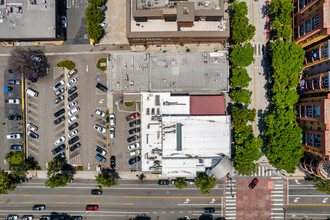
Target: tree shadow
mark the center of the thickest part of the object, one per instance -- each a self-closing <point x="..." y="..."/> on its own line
<point x="113" y="172"/>
<point x="262" y="127"/>
<point x="141" y="217"/>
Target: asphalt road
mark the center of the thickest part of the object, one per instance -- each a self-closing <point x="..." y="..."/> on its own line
<point x="304" y="202"/>
<point x="128" y="199"/>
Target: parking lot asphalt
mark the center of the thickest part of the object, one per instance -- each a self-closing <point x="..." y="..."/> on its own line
<point x="41" y="112"/>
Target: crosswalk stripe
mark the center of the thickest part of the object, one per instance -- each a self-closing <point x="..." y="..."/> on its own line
<point x="273" y="217"/>
<point x="276" y="191"/>
<point x="279" y="213"/>
<point x="230" y="214"/>
<point x="230" y="207"/>
<point x="276" y="177"/>
<point x="275" y="195"/>
<point x="277" y="209"/>
<point x="276" y="204"/>
<point x="229" y="217"/>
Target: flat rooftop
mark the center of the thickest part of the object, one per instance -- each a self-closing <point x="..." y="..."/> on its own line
<point x="169" y="72"/>
<point x="28" y="19"/>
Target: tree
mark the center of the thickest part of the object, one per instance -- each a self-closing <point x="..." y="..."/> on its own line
<point x="242" y="56"/>
<point x="19" y="169"/>
<point x="54" y="167"/>
<point x="58" y="180"/>
<point x="31" y="64"/>
<point x="282" y="9"/>
<point x="106" y="179"/>
<point x="181" y="183"/>
<point x="239" y="8"/>
<point x="93" y="14"/>
<point x="205" y="183"/>
<point x="94" y="30"/>
<point x="321" y="185"/>
<point x="240" y="78"/>
<point x="96" y="2"/>
<point x="241" y="96"/>
<point x="240" y="119"/>
<point x="7" y="182"/>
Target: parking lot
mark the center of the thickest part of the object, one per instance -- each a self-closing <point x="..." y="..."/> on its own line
<point x="40" y="112"/>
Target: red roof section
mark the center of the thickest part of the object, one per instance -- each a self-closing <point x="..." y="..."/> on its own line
<point x="207" y="105"/>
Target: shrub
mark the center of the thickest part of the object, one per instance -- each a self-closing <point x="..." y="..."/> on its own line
<point x="67" y="64"/>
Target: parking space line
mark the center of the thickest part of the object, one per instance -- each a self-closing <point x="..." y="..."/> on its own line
<point x="32" y="110"/>
<point x="33" y="152"/>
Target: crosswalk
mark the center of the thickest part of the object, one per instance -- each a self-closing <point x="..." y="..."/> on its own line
<point x="263" y="171"/>
<point x="277" y="197"/>
<point x="258" y="49"/>
<point x="230" y="200"/>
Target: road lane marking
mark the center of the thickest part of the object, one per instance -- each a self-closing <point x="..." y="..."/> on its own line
<point x="69" y="203"/>
<point x="309" y="204"/>
<point x="200" y="204"/>
<point x="310" y="195"/>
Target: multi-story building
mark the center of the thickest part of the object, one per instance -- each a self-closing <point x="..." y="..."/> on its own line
<point x="174" y="22"/>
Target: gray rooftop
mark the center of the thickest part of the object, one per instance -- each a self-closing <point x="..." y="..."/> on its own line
<point x="28" y="19"/>
<point x="169" y="72"/>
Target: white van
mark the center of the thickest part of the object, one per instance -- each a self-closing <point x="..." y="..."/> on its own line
<point x="32" y="92"/>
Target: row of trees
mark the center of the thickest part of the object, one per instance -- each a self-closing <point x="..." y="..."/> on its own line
<point x="58" y="173"/>
<point x="94" y="16"/>
<point x="284" y="150"/>
<point x="248" y="147"/>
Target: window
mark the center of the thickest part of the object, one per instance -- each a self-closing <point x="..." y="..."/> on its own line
<point x="308" y="26"/>
<point x="307" y="2"/>
<point x="296" y="33"/>
<point x="302" y="30"/>
<point x="316" y="54"/>
<point x="310" y="9"/>
<point x="315" y="21"/>
<point x="305" y="122"/>
<point x="316" y="83"/>
<point x="309" y="139"/>
<point x="312" y="127"/>
<point x="302" y="111"/>
<point x="317" y="140"/>
<point x="325" y="82"/>
<point x="317" y="112"/>
<point x="303" y="138"/>
<point x="312" y="122"/>
<point x="309" y="84"/>
<point x="309" y="111"/>
<point x="319" y="128"/>
<point x="317" y="3"/>
<point x="324" y="51"/>
<point x="309" y="56"/>
<point x="295" y="8"/>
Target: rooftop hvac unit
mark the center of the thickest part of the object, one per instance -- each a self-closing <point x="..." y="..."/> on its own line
<point x="171" y="4"/>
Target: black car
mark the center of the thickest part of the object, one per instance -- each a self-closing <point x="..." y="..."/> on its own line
<point x="101" y="87"/>
<point x="15" y="117"/>
<point x="134" y="123"/>
<point x="72" y="90"/>
<point x="59" y="112"/>
<point x="39" y="207"/>
<point x="58" y="149"/>
<point x="15" y="147"/>
<point x="77" y="145"/>
<point x="134" y="130"/>
<point x="60" y="156"/>
<point x="96" y="192"/>
<point x="113" y="161"/>
<point x="209" y="210"/>
<point x="33" y="135"/>
<point x="73" y="96"/>
<point x="72" y="140"/>
<point x="163" y="182"/>
<point x="59" y="120"/>
<point x="73" y="126"/>
<point x="133" y="138"/>
<point x="134" y="160"/>
<point x="76" y="218"/>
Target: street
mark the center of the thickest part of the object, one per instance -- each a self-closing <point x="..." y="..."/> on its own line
<point x="128" y="199"/>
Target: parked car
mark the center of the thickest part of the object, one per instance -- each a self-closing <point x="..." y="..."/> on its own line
<point x="73" y="126"/>
<point x="132" y="116"/>
<point x="75" y="146"/>
<point x="134" y="152"/>
<point x="58" y="85"/>
<point x="73" y="118"/>
<point x="39" y="207"/>
<point x="60" y="156"/>
<point x="14" y="136"/>
<point x="59" y="112"/>
<point x="133" y="160"/>
<point x="15" y="147"/>
<point x="59" y="99"/>
<point x="76" y="218"/>
<point x="72" y="82"/>
<point x="100" y="128"/>
<point x="72" y="97"/>
<point x="27" y="217"/>
<point x="33" y="135"/>
<point x="104" y="24"/>
<point x="113" y="161"/>
<point x="58" y="149"/>
<point x="209" y="210"/>
<point x="72" y="90"/>
<point x="59" y="91"/>
<point x="12" y="217"/>
<point x="112" y="132"/>
<point x="112" y="119"/>
<point x="59" y="140"/>
<point x="100" y="150"/>
<point x="14" y="82"/>
<point x="92" y="207"/>
<point x="134" y="123"/>
<point x="100" y="158"/>
<point x="32" y="92"/>
<point x="134" y="130"/>
<point x="72" y="72"/>
<point x="72" y="104"/>
<point x="63" y="21"/>
<point x="253" y="184"/>
<point x="133" y="146"/>
<point x="101" y="87"/>
<point x="15" y="117"/>
<point x="96" y="192"/>
<point x="45" y="217"/>
<point x="100" y="113"/>
<point x="73" y="111"/>
<point x="73" y="133"/>
<point x="32" y="127"/>
<point x="73" y="140"/>
<point x="13" y="101"/>
<point x="133" y="138"/>
<point x="59" y="120"/>
<point x="163" y="182"/>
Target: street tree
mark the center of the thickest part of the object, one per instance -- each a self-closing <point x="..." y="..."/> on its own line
<point x="205" y="183"/>
<point x="181" y="183"/>
<point x="281" y="10"/>
<point x="240" y="78"/>
<point x="106" y="179"/>
<point x="242" y="56"/>
<point x="94" y="15"/>
<point x="7" y="182"/>
<point x="241" y="96"/>
<point x="19" y="169"/>
<point x="58" y="180"/>
<point x="30" y="64"/>
<point x="240" y="117"/>
<point x="96" y="2"/>
<point x="94" y="30"/>
<point x="54" y="167"/>
<point x="321" y="185"/>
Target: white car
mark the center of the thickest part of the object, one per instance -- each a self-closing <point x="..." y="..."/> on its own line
<point x="100" y="128"/>
<point x="64" y="23"/>
<point x="13" y="101"/>
<point x="74" y="111"/>
<point x="72" y="104"/>
<point x="112" y="132"/>
<point x="59" y="91"/>
<point x="104" y="24"/>
<point x="72" y="82"/>
<point x="14" y="136"/>
<point x="100" y="113"/>
<point x="134" y="153"/>
<point x="112" y="119"/>
<point x="32" y="127"/>
<point x="133" y="146"/>
<point x="58" y="85"/>
<point x="73" y="133"/>
<point x="72" y="119"/>
<point x="60" y="140"/>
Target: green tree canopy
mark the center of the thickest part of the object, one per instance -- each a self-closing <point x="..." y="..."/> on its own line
<point x="94" y="30"/>
<point x="106" y="179"/>
<point x="205" y="183"/>
<point x="7" y="182"/>
<point x="321" y="185"/>
<point x="282" y="9"/>
<point x="96" y="2"/>
<point x="239" y="8"/>
<point x="181" y="183"/>
<point x="93" y="14"/>
<point x="242" y="96"/>
<point x="58" y="180"/>
<point x="240" y="119"/>
<point x="240" y="78"/>
<point x="54" y="167"/>
<point x="242" y="56"/>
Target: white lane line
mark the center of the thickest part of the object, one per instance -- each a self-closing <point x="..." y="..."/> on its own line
<point x="274" y="217"/>
<point x="276" y="195"/>
<point x="276" y="177"/>
<point x="230" y="208"/>
<point x="277" y="209"/>
<point x="230" y="214"/>
<point x="199" y="204"/>
<point x="276" y="191"/>
<point x="279" y="213"/>
<point x="229" y="217"/>
<point x="281" y="204"/>
<point x="279" y="200"/>
<point x="310" y="195"/>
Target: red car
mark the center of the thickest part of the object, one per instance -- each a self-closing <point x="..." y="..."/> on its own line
<point x="254" y="182"/>
<point x="92" y="207"/>
<point x="132" y="116"/>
